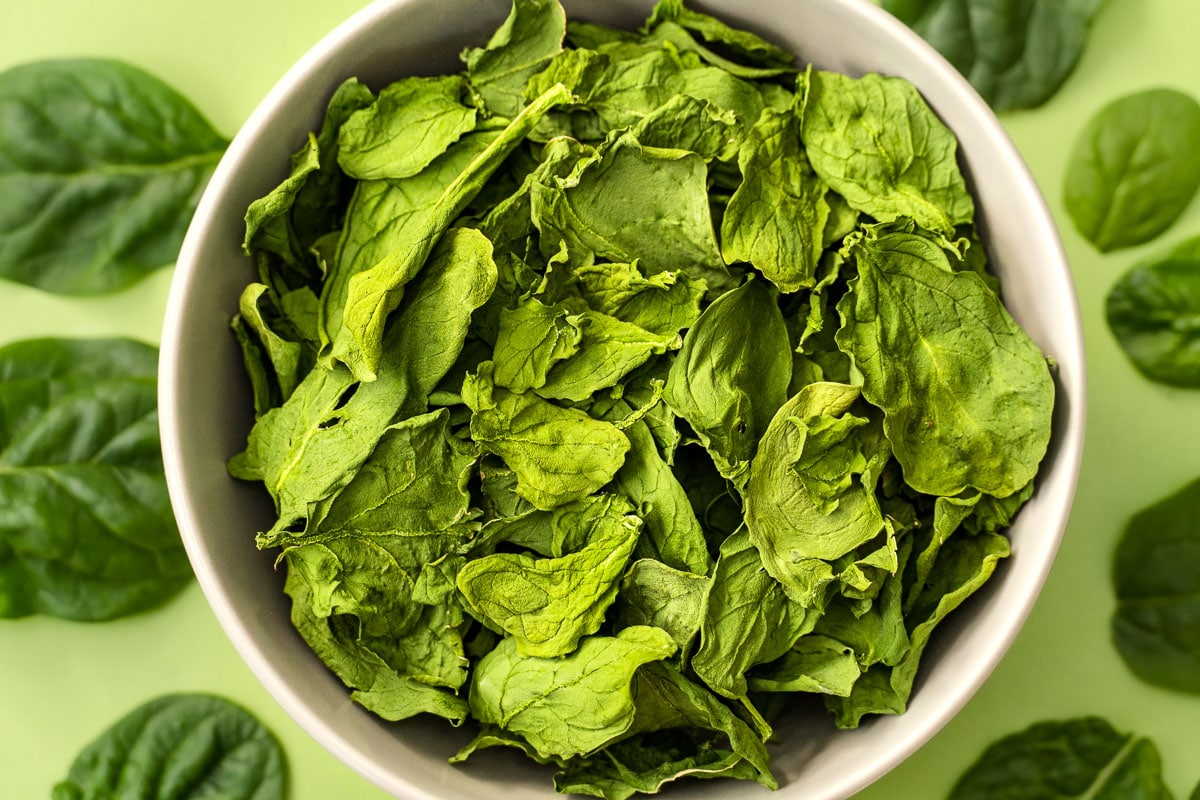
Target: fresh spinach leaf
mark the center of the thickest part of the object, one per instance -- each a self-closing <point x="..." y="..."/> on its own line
<point x="655" y="594"/>
<point x="630" y="202"/>
<point x="87" y="531"/>
<point x="183" y="746"/>
<point x="1134" y="169"/>
<point x="309" y="204"/>
<point x="1074" y="758"/>
<point x="397" y="672"/>
<point x="797" y="524"/>
<point x="1016" y="53"/>
<point x="558" y="454"/>
<point x="1155" y="576"/>
<point x="1153" y="310"/>
<point x="748" y="619"/>
<point x="101" y="167"/>
<point x="372" y="294"/>
<point x="646" y="763"/>
<point x="748" y="46"/>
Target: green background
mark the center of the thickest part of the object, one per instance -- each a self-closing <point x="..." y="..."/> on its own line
<point x="62" y="683"/>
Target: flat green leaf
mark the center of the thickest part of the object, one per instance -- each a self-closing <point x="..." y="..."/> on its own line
<point x="414" y="482"/>
<point x="566" y="706"/>
<point x="748" y="46"/>
<point x="411" y="123"/>
<point x="776" y="219"/>
<point x="531" y="339"/>
<point x="876" y="143"/>
<point x="548" y="604"/>
<point x="521" y="47"/>
<point x="379" y="219"/>
<point x="1157" y="581"/>
<point x="182" y="746"/>
<point x="966" y="394"/>
<point x="1016" y="53"/>
<point x="815" y="664"/>
<point x="663" y="304"/>
<point x="672" y="534"/>
<point x="559" y="454"/>
<point x="1075" y="758"/>
<point x="647" y="763"/>
<point x="732" y="374"/>
<point x="689" y="123"/>
<point x="1134" y="169"/>
<point x="1153" y="310"/>
<point x="101" y="167"/>
<point x="86" y="530"/>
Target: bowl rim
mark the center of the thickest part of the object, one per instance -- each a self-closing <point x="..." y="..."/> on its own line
<point x="1068" y="441"/>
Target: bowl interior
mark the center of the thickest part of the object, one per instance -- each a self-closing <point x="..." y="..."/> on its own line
<point x="206" y="409"/>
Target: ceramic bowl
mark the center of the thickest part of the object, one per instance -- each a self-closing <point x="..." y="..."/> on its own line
<point x="206" y="409"/>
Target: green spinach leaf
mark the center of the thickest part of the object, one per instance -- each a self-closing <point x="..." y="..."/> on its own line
<point x="915" y="364"/>
<point x="87" y="531"/>
<point x="520" y="48"/>
<point x="776" y="219"/>
<point x="1154" y="313"/>
<point x="411" y="123"/>
<point x="1156" y="576"/>
<point x="1016" y="53"/>
<point x="101" y="167"/>
<point x="566" y="706"/>
<point x="1075" y="758"/>
<point x="732" y="374"/>
<point x="1134" y="169"/>
<point x="180" y="746"/>
<point x="876" y="143"/>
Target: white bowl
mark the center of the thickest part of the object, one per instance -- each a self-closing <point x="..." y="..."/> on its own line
<point x="206" y="410"/>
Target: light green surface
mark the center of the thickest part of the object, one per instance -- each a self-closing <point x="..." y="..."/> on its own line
<point x="61" y="683"/>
